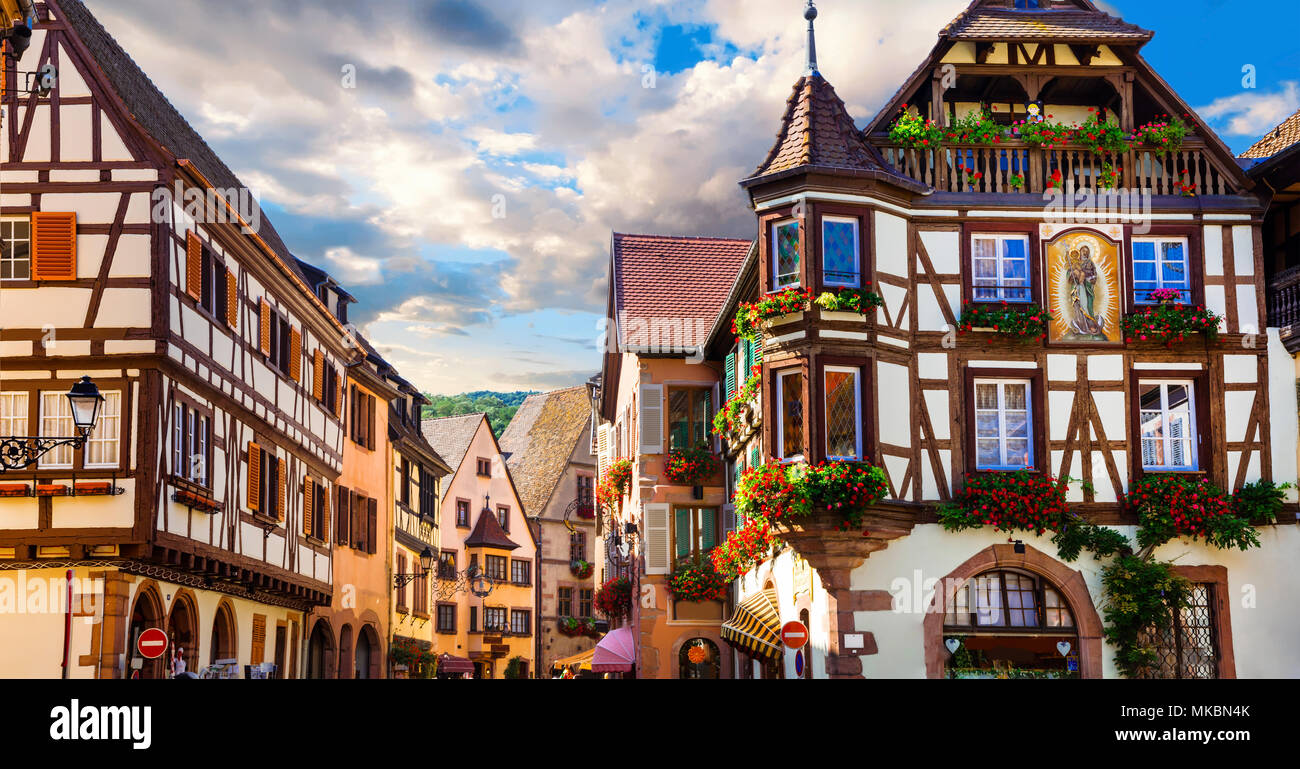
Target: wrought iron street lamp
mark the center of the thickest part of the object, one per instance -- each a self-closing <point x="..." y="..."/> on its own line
<point x="426" y="565"/>
<point x="18" y="451"/>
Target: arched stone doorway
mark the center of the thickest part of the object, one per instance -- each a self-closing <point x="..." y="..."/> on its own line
<point x="1031" y="573"/>
<point x="320" y="651"/>
<point x="146" y="613"/>
<point x="366" y="655"/>
<point x="699" y="659"/>
<point x="183" y="630"/>
<point x="224" y="642"/>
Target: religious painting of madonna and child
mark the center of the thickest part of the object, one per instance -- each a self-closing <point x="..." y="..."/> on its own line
<point x="1083" y="287"/>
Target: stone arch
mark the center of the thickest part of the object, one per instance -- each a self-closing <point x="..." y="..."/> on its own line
<point x="368" y="654"/>
<point x="1068" y="581"/>
<point x="225" y="633"/>
<point x="345" y="651"/>
<point x="725" y="662"/>
<point x="321" y="657"/>
<point x="183" y="628"/>
<point x="146" y="612"/>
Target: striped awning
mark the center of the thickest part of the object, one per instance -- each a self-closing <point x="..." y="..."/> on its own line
<point x="582" y="659"/>
<point x="756" y="625"/>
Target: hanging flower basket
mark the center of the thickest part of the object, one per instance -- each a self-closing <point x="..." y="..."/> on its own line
<point x="737" y="416"/>
<point x="690" y="467"/>
<point x="614" y="598"/>
<point x="743" y="549"/>
<point x="697" y="580"/>
<point x="580" y="568"/>
<point x="616" y="483"/>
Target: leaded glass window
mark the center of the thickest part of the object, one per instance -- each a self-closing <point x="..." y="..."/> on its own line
<point x="840" y="250"/>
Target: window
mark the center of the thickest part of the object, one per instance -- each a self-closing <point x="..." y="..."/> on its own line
<point x="1160" y="263"/>
<point x="362" y="411"/>
<point x="404" y="482"/>
<point x="401" y="589"/>
<point x="271" y="469"/>
<point x="15" y="253"/>
<point x="690" y="411"/>
<point x="521" y="621"/>
<point x="420" y="588"/>
<point x="484" y="467"/>
<point x="789" y="426"/>
<point x="281" y="334"/>
<point x="56" y="422"/>
<point x="843" y="393"/>
<point x="1008" y="599"/>
<point x="1167" y="425"/>
<point x="1000" y="268"/>
<point x="318" y="497"/>
<point x="521" y="572"/>
<point x="446" y="618"/>
<point x="1188" y="646"/>
<point x="13" y="414"/>
<point x="428" y="493"/>
<point x="586" y="490"/>
<point x="578" y="546"/>
<point x="494" y="619"/>
<point x="785" y="254"/>
<point x="473" y="619"/>
<point x="446" y="565"/>
<point x="586" y="598"/>
<point x="564" y="601"/>
<point x="462" y="512"/>
<point x="212" y="287"/>
<point x="1003" y="425"/>
<point x="695" y="530"/>
<point x="840" y="251"/>
<point x="191" y="432"/>
<point x="495" y="566"/>
<point x="503" y="517"/>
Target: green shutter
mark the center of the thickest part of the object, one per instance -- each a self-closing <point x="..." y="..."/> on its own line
<point x="683" y="518"/>
<point x="754" y="459"/>
<point x="703" y="434"/>
<point x="756" y="358"/>
<point x="730" y="375"/>
<point x="708" y="529"/>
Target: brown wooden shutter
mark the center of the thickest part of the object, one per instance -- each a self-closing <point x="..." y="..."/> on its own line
<point x="318" y="375"/>
<point x="354" y="502"/>
<point x="254" y="476"/>
<point x="259" y="639"/>
<point x="282" y="465"/>
<point x="338" y="397"/>
<point x="370" y="422"/>
<point x="54" y="245"/>
<point x="324" y="515"/>
<point x="232" y="300"/>
<point x="193" y="266"/>
<point x="401" y="569"/>
<point x="343" y="525"/>
<point x="265" y="316"/>
<point x="308" y="505"/>
<point x="295" y="354"/>
<point x="372" y="530"/>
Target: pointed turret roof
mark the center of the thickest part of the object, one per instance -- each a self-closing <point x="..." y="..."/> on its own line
<point x="488" y="533"/>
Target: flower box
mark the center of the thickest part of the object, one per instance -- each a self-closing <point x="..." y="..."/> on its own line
<point x="52" y="490"/>
<point x="92" y="489"/>
<point x="15" y="490"/>
<point x="849" y="317"/>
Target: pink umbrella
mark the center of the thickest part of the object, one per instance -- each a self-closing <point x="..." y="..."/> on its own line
<point x="615" y="652"/>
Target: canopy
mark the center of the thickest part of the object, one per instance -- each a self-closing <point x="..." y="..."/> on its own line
<point x="448" y="663"/>
<point x="756" y="625"/>
<point x="583" y="659"/>
<point x="616" y="652"/>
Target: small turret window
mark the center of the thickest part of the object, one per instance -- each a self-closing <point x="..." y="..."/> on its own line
<point x="785" y="255"/>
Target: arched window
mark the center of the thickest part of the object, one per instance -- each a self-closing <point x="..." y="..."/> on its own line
<point x="223" y="635"/>
<point x="320" y="647"/>
<point x="181" y="631"/>
<point x="699" y="658"/>
<point x="1010" y="623"/>
<point x="147" y="614"/>
<point x="363" y="652"/>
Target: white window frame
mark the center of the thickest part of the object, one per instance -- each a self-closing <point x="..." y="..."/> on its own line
<point x="1002" y="437"/>
<point x="1000" y="239"/>
<point x="780" y="415"/>
<point x="1166" y="438"/>
<point x="777" y="285"/>
<point x="14" y="420"/>
<point x="99" y="435"/>
<point x="857" y="409"/>
<point x="1160" y="262"/>
<point x="58" y="425"/>
<point x="857" y="251"/>
<point x="10" y="241"/>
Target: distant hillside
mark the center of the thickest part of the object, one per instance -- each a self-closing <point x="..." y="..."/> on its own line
<point x="500" y="407"/>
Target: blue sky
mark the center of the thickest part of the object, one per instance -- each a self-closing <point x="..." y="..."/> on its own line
<point x="465" y="189"/>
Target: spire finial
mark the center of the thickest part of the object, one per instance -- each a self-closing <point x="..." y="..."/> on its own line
<point x="810" y="13"/>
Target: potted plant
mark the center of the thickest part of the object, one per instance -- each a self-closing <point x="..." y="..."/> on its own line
<point x="690" y="467"/>
<point x="614" y="598"/>
<point x="697" y="580"/>
<point x="580" y="568"/>
<point x="1170" y="321"/>
<point x="752" y="316"/>
<point x="1005" y="318"/>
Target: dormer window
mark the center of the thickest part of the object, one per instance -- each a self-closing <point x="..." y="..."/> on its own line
<point x="1030" y="5"/>
<point x="785" y="254"/>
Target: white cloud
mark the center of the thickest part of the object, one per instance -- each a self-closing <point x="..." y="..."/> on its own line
<point x="1253" y="113"/>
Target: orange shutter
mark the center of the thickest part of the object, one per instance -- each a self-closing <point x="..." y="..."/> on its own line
<point x="308" y="498"/>
<point x="54" y="245"/>
<point x="282" y="465"/>
<point x="318" y="375"/>
<point x="259" y="639"/>
<point x="193" y="266"/>
<point x="254" y="476"/>
<point x="325" y="515"/>
<point x="265" y="314"/>
<point x="295" y="354"/>
<point x="338" y="397"/>
<point x="232" y="300"/>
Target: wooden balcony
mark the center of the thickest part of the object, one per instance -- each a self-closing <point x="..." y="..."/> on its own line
<point x="940" y="167"/>
<point x="1284" y="306"/>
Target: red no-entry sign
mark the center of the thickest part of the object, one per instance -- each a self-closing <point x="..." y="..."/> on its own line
<point x="794" y="634"/>
<point x="152" y="643"/>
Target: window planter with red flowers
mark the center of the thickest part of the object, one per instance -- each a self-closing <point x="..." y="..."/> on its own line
<point x="740" y="416"/>
<point x="690" y="467"/>
<point x="752" y="317"/>
<point x="1021" y="321"/>
<point x="696" y="580"/>
<point x="616" y="483"/>
<point x="1170" y="321"/>
<point x="1173" y="506"/>
<point x="196" y="500"/>
<point x="577" y="626"/>
<point x="858" y="300"/>
<point x="744" y="548"/>
<point x="778" y="494"/>
<point x="614" y="598"/>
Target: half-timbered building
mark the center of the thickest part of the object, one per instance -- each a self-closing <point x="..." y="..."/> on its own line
<point x="202" y="502"/>
<point x="972" y="217"/>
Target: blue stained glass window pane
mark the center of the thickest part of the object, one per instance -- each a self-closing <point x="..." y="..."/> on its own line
<point x="840" y="252"/>
<point x="787" y="250"/>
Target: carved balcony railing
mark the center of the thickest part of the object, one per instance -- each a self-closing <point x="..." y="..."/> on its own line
<point x="997" y="164"/>
<point x="1284" y="305"/>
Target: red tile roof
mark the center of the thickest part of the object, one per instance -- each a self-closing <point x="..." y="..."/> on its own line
<point x="669" y="290"/>
<point x="1281" y="137"/>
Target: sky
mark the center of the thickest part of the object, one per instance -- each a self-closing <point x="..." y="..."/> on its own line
<point x="460" y="165"/>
